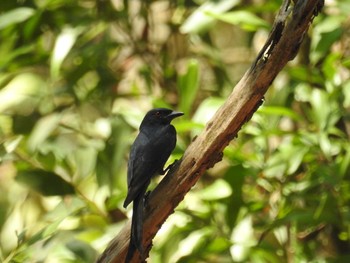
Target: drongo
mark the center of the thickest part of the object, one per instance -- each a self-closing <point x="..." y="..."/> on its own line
<point x="149" y="153"/>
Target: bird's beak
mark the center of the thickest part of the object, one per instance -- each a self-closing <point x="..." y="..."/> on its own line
<point x="174" y="115"/>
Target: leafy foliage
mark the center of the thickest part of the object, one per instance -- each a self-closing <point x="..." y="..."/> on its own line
<point x="76" y="78"/>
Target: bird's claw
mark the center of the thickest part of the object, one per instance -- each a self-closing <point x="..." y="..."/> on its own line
<point x="170" y="166"/>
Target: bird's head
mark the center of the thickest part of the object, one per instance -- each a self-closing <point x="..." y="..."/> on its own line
<point x="160" y="116"/>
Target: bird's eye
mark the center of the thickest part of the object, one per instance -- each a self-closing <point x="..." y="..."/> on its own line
<point x="157" y="113"/>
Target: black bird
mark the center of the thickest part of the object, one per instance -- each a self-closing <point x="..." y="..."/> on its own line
<point x="149" y="153"/>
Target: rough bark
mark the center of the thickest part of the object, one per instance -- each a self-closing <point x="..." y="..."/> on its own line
<point x="290" y="26"/>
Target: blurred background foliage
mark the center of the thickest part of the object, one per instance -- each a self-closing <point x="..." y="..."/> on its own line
<point x="77" y="76"/>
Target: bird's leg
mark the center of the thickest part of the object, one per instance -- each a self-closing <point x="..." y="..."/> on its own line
<point x="170" y="166"/>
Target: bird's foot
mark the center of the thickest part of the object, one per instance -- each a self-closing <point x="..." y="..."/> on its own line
<point x="170" y="166"/>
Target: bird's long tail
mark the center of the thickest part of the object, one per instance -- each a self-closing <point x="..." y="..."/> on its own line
<point x="136" y="227"/>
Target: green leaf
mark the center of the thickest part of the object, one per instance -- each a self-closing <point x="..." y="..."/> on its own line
<point x="246" y="20"/>
<point x="219" y="245"/>
<point x="22" y="93"/>
<point x="63" y="45"/>
<point x="188" y="85"/>
<point x="324" y="109"/>
<point x="82" y="250"/>
<point x="199" y="21"/>
<point x="86" y="161"/>
<point x="205" y="112"/>
<point x="345" y="163"/>
<point x="10" y="57"/>
<point x="280" y="111"/>
<point x="346" y="62"/>
<point x="264" y="255"/>
<point x="15" y="16"/>
<point x="304" y="74"/>
<point x="326" y="33"/>
<point x="330" y="66"/>
<point x="207" y="109"/>
<point x="346" y="91"/>
<point x="286" y="160"/>
<point x="46" y="232"/>
<point x="189" y="244"/>
<point x="243" y="239"/>
<point x="45" y="182"/>
<point x="42" y="130"/>
<point x="218" y="190"/>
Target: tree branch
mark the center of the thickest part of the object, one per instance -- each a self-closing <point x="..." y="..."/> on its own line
<point x="289" y="28"/>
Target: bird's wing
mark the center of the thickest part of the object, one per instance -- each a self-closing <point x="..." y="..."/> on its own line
<point x="147" y="157"/>
<point x="140" y="168"/>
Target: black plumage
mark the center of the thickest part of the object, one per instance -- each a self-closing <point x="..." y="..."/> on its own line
<point x="149" y="153"/>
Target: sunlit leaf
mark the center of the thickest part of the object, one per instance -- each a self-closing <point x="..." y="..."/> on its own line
<point x="242" y="239"/>
<point x="325" y="117"/>
<point x="15" y="16"/>
<point x="63" y="45"/>
<point x="346" y="90"/>
<point x="188" y="244"/>
<point x="46" y="232"/>
<point x="244" y="19"/>
<point x="218" y="190"/>
<point x="207" y="109"/>
<point x="327" y="32"/>
<point x="345" y="163"/>
<point x="330" y="68"/>
<point x="42" y="130"/>
<point x="205" y="112"/>
<point x="86" y="161"/>
<point x="22" y="93"/>
<point x="199" y="21"/>
<point x="280" y="111"/>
